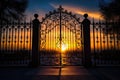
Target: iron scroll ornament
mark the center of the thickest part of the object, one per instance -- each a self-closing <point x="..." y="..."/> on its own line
<point x="69" y="20"/>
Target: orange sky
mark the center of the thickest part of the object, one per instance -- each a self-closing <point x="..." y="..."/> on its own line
<point x="52" y="41"/>
<point x="80" y="11"/>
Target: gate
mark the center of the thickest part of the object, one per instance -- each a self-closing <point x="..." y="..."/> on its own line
<point x="60" y="39"/>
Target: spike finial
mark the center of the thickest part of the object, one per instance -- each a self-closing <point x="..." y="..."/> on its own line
<point x="60" y="8"/>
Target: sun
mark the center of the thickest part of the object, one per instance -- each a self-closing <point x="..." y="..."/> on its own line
<point x="64" y="47"/>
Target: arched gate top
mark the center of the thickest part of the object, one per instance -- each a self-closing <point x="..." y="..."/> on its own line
<point x="60" y="10"/>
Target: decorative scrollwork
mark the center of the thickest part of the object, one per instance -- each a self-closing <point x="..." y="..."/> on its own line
<point x="52" y="20"/>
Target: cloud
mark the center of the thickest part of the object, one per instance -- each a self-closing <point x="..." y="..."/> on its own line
<point x="80" y="10"/>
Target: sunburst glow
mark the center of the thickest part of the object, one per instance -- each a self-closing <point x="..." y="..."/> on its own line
<point x="64" y="47"/>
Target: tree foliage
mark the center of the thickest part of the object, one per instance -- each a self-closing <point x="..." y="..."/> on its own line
<point x="13" y="9"/>
<point x="110" y="11"/>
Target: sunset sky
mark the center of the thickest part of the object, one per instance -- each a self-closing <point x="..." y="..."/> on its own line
<point x="41" y="7"/>
<point x="78" y="7"/>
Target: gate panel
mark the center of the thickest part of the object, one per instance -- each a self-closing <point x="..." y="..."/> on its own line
<point x="60" y="39"/>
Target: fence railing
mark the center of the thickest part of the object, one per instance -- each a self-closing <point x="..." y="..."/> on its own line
<point x="105" y="43"/>
<point x="16" y="43"/>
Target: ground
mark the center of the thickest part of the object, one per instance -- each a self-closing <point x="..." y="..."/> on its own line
<point x="59" y="73"/>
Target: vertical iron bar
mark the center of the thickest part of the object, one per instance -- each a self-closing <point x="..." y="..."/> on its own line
<point x="18" y="50"/>
<point x="82" y="42"/>
<point x="117" y="45"/>
<point x="18" y="36"/>
<point x="6" y="40"/>
<point x="30" y="41"/>
<point x="24" y="29"/>
<point x="56" y="38"/>
<point x="71" y="40"/>
<point x="53" y="36"/>
<point x="107" y="35"/>
<point x="12" y="43"/>
<point x="97" y="41"/>
<point x="95" y="57"/>
<point x="50" y="39"/>
<point x="108" y="41"/>
<point x="114" y="39"/>
<point x="100" y="36"/>
<point x="24" y="49"/>
<point x="60" y="38"/>
<point x="0" y="33"/>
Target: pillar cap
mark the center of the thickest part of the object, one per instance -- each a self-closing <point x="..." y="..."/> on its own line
<point x="85" y="15"/>
<point x="36" y="16"/>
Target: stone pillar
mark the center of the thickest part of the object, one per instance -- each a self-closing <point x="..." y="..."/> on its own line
<point x="35" y="41"/>
<point x="86" y="37"/>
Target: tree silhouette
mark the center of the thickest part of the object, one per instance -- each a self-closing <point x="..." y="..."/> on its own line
<point x="13" y="9"/>
<point x="110" y="11"/>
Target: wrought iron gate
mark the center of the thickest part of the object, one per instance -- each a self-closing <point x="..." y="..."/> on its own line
<point x="60" y="39"/>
